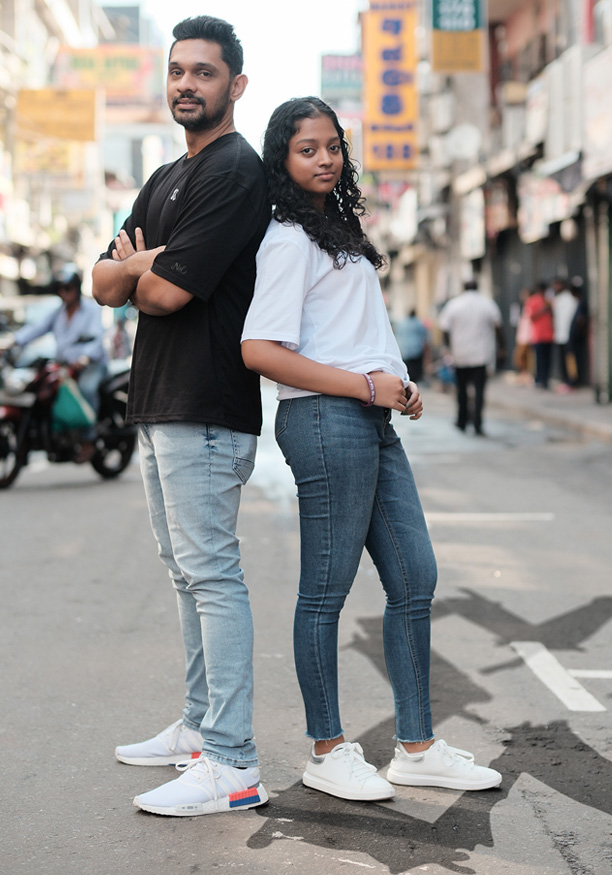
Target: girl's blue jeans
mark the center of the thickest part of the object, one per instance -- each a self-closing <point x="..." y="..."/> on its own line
<point x="356" y="490"/>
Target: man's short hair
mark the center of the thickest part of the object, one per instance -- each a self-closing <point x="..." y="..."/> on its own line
<point x="470" y="286"/>
<point x="213" y="30"/>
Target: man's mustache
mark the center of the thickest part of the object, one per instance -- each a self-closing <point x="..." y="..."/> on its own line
<point x="188" y="96"/>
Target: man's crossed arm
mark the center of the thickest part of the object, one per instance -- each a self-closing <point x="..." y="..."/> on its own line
<point x="128" y="276"/>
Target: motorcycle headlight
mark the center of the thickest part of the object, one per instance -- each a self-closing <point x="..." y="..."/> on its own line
<point x="18" y="380"/>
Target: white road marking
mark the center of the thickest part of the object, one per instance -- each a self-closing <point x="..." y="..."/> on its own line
<point x="443" y="517"/>
<point x="549" y="670"/>
<point x="589" y="673"/>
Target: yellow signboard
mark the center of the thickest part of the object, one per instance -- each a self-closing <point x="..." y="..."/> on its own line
<point x="64" y="115"/>
<point x="390" y="97"/>
<point x="456" y="52"/>
<point x="458" y="36"/>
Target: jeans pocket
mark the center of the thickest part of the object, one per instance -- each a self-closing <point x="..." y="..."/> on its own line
<point x="282" y="415"/>
<point x="245" y="446"/>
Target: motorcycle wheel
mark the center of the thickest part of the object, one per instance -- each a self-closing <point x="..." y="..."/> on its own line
<point x="113" y="456"/>
<point x="11" y="454"/>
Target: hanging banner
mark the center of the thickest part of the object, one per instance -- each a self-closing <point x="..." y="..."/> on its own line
<point x="597" y="149"/>
<point x="458" y="39"/>
<point x="472" y="239"/>
<point x="390" y="97"/>
<point x="130" y="75"/>
<point x="63" y="114"/>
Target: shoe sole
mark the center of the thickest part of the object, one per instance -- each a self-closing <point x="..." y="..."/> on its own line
<point x="234" y="802"/>
<point x="436" y="781"/>
<point x="333" y="790"/>
<point x="159" y="761"/>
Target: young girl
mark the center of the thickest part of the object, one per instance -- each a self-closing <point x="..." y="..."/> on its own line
<point x="318" y="326"/>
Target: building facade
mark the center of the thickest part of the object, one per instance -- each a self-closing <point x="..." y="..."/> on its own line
<point x="516" y="166"/>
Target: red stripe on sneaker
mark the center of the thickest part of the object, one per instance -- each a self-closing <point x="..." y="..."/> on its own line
<point x="196" y="756"/>
<point x="243" y="797"/>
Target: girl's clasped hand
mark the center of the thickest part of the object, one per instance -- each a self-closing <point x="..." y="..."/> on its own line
<point x="391" y="393"/>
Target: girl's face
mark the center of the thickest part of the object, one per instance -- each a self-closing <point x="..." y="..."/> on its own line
<point x="314" y="160"/>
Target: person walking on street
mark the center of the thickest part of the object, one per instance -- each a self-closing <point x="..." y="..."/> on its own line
<point x="412" y="337"/>
<point x="539" y="310"/>
<point x="471" y="324"/>
<point x="564" y="306"/>
<point x="319" y="327"/>
<point x="185" y="257"/>
<point x="79" y="337"/>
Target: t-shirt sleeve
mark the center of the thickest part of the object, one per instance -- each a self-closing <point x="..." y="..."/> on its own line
<point x="280" y="288"/>
<point x="216" y="222"/>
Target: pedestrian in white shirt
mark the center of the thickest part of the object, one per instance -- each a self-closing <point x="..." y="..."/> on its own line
<point x="564" y="306"/>
<point x="471" y="324"/>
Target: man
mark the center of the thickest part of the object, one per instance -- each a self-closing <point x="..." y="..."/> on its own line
<point x="471" y="323"/>
<point x="186" y="259"/>
<point x="77" y="327"/>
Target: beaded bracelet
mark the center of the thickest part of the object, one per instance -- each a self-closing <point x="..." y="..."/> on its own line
<point x="370" y="383"/>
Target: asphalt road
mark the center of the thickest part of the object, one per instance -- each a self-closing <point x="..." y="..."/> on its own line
<point x="91" y="657"/>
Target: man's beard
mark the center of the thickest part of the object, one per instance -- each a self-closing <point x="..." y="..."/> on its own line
<point x="206" y="119"/>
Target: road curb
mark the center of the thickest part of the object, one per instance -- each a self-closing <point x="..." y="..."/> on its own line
<point x="566" y="420"/>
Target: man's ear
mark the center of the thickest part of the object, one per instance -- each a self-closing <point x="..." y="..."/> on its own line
<point x="237" y="87"/>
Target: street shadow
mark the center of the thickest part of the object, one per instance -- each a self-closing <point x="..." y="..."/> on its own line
<point x="452" y="692"/>
<point x="396" y="840"/>
<point x="551" y="753"/>
<point x="564" y="632"/>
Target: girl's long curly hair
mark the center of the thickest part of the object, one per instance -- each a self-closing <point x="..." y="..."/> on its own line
<point x="337" y="230"/>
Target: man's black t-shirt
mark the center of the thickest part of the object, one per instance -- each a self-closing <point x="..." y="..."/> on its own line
<point x="210" y="212"/>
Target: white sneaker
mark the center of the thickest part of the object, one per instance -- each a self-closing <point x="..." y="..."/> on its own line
<point x="440" y="766"/>
<point x="204" y="788"/>
<point x="173" y="745"/>
<point x="344" y="772"/>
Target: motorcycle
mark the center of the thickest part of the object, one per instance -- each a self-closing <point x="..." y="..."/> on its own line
<point x="27" y="424"/>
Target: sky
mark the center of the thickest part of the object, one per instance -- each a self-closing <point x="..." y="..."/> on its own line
<point x="282" y="43"/>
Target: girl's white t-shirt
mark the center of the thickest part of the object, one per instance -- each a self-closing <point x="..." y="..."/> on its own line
<point x="334" y="317"/>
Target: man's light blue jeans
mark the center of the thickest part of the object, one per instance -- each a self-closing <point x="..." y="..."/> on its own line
<point x="356" y="490"/>
<point x="193" y="475"/>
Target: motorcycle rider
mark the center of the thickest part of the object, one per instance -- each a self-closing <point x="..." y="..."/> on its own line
<point x="77" y="327"/>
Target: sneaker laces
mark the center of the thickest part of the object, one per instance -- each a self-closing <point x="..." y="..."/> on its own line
<point x="464" y="754"/>
<point x="208" y="768"/>
<point x="452" y="755"/>
<point x="173" y="739"/>
<point x="353" y="752"/>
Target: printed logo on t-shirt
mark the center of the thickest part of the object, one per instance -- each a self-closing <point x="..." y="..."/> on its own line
<point x="174" y="194"/>
<point x="179" y="268"/>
